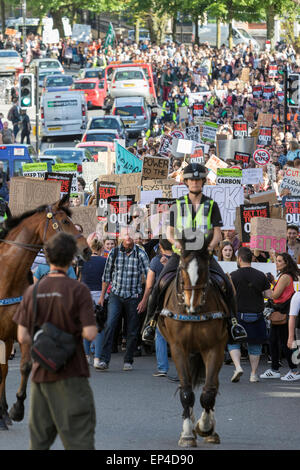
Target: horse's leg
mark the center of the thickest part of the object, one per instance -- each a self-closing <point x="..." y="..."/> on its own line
<point x="213" y="360"/>
<point x="187" y="397"/>
<point x="17" y="410"/>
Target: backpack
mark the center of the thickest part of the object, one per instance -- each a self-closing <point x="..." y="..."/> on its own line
<point x="10" y="114"/>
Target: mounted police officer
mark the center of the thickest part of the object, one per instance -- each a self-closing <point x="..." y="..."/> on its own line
<point x="194" y="210"/>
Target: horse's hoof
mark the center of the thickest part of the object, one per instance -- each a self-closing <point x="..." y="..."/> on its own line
<point x="187" y="442"/>
<point x="7" y="420"/>
<point x="16" y="413"/>
<point x="3" y="426"/>
<point x="204" y="433"/>
<point x="213" y="439"/>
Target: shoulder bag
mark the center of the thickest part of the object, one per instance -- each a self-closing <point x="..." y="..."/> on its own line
<point x="51" y="347"/>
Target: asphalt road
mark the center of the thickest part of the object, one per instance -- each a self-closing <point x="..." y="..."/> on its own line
<point x="136" y="411"/>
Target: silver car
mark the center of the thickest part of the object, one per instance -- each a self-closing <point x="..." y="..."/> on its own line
<point x="134" y="112"/>
<point x="10" y="62"/>
<point x="129" y="81"/>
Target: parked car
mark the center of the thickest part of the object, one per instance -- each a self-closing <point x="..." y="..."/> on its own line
<point x="10" y="62"/>
<point x="99" y="136"/>
<point x="92" y="72"/>
<point x="14" y="155"/>
<point x="57" y="82"/>
<point x="96" y="148"/>
<point x="129" y="81"/>
<point x="113" y="123"/>
<point x="134" y="112"/>
<point x="93" y="89"/>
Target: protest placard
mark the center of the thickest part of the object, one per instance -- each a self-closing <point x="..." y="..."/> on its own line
<point x="185" y="146"/>
<point x="291" y="181"/>
<point x="273" y="71"/>
<point x="242" y="157"/>
<point x="193" y="133"/>
<point x="34" y="170"/>
<point x="268" y="92"/>
<point x="165" y="144"/>
<point x="232" y="176"/>
<point x="267" y="234"/>
<point x="214" y="163"/>
<point x="227" y="148"/>
<point x="264" y="119"/>
<point x="155" y="167"/>
<point x="265" y="196"/>
<point x="26" y="194"/>
<point x="209" y="131"/>
<point x="103" y="191"/>
<point x="127" y="162"/>
<point x="179" y="190"/>
<point x="240" y="129"/>
<point x="162" y="204"/>
<point x="261" y="157"/>
<point x="81" y="32"/>
<point x="91" y="171"/>
<point x="292" y="210"/>
<point x="245" y="74"/>
<point x="148" y="196"/>
<point x="252" y="176"/>
<point x="71" y="169"/>
<point x="177" y="134"/>
<point x="265" y="136"/>
<point x="157" y="184"/>
<point x="247" y="212"/>
<point x="118" y="213"/>
<point x="64" y="178"/>
<point x="198" y="109"/>
<point x="257" y="91"/>
<point x="86" y="216"/>
<point x="183" y="113"/>
<point x="228" y="198"/>
<point x="198" y="155"/>
<point x="126" y="184"/>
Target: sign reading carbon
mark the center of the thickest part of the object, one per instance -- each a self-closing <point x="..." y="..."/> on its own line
<point x="26" y="90"/>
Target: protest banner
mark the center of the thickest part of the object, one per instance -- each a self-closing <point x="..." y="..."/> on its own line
<point x="165" y="144"/>
<point x="126" y="162"/>
<point x="291" y="181"/>
<point x="34" y="170"/>
<point x="103" y="191"/>
<point x="198" y="109"/>
<point x="230" y="176"/>
<point x="267" y="234"/>
<point x="198" y="155"/>
<point x="242" y="157"/>
<point x="257" y="91"/>
<point x="26" y="194"/>
<point x="240" y="129"/>
<point x="91" y="171"/>
<point x="70" y="168"/>
<point x="214" y="163"/>
<point x="118" y="213"/>
<point x="86" y="216"/>
<point x="50" y="36"/>
<point x="209" y="131"/>
<point x="268" y="92"/>
<point x="264" y="119"/>
<point x="81" y="33"/>
<point x="265" y="136"/>
<point x="261" y="157"/>
<point x="292" y="210"/>
<point x="228" y="198"/>
<point x="164" y="185"/>
<point x="252" y="176"/>
<point x="227" y="148"/>
<point x="247" y="212"/>
<point x="193" y="133"/>
<point x="64" y="178"/>
<point x="155" y="167"/>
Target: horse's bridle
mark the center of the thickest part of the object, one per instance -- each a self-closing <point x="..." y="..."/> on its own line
<point x="180" y="288"/>
<point x="55" y="225"/>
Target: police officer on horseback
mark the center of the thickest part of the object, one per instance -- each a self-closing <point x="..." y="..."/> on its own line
<point x="193" y="211"/>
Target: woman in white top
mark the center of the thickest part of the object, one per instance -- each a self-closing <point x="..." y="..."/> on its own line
<point x="293" y="314"/>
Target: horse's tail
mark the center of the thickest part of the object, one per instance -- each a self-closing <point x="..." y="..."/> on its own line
<point x="197" y="368"/>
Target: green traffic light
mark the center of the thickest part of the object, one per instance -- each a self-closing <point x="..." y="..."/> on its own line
<point x="26" y="101"/>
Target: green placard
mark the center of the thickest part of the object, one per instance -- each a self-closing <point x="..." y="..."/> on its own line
<point x="31" y="167"/>
<point x="229" y="172"/>
<point x="63" y="167"/>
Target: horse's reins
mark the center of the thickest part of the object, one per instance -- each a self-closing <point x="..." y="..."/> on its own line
<point x="180" y="287"/>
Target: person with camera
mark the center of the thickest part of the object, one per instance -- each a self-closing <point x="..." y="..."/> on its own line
<point x="61" y="402"/>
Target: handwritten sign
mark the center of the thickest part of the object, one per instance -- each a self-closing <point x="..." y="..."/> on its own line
<point x="267" y="234"/>
<point x="155" y="167"/>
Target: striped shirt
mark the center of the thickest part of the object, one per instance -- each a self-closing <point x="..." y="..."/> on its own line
<point x="125" y="274"/>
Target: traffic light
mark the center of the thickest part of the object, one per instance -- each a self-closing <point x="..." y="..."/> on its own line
<point x="293" y="90"/>
<point x="26" y="90"/>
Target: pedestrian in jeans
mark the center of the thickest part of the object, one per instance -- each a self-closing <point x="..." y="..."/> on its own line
<point x="124" y="269"/>
<point x="14" y="116"/>
<point x="251" y="287"/>
<point x="282" y="294"/>
<point x="61" y="403"/>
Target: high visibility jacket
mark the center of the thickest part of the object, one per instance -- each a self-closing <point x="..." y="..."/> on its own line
<point x="168" y="117"/>
<point x="173" y="106"/>
<point x="202" y="219"/>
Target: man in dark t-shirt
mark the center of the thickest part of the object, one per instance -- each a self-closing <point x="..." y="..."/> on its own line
<point x="67" y="304"/>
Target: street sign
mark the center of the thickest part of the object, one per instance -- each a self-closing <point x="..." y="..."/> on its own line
<point x="261" y="157"/>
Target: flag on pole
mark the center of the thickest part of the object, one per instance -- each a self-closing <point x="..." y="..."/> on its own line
<point x="126" y="162"/>
<point x="110" y="37"/>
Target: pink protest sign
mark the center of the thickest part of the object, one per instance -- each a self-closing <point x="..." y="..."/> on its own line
<point x="267" y="234"/>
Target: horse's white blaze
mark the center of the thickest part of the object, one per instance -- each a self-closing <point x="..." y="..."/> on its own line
<point x="192" y="271"/>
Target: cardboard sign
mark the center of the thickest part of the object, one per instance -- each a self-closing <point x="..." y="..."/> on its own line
<point x="240" y="129"/>
<point x="292" y="210"/>
<point x="230" y="176"/>
<point x="126" y="184"/>
<point x="252" y="176"/>
<point x="209" y="131"/>
<point x="193" y="133"/>
<point x="242" y="157"/>
<point x="34" y="170"/>
<point x="228" y="198"/>
<point x="247" y="213"/>
<point x="164" y="148"/>
<point x="264" y="119"/>
<point x="183" y="113"/>
<point x="86" y="216"/>
<point x="157" y="184"/>
<point x="155" y="167"/>
<point x="214" y="163"/>
<point x="291" y="181"/>
<point x="257" y="91"/>
<point x="26" y="194"/>
<point x="261" y="157"/>
<point x="245" y="74"/>
<point x="265" y="196"/>
<point x="265" y="136"/>
<point x="118" y="214"/>
<point x="65" y="180"/>
<point x="267" y="234"/>
<point x="91" y="171"/>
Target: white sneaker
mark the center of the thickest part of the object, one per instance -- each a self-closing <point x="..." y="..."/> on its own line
<point x="127" y="366"/>
<point x="253" y="378"/>
<point x="270" y="374"/>
<point x="237" y="374"/>
<point x="291" y="376"/>
<point x="97" y="363"/>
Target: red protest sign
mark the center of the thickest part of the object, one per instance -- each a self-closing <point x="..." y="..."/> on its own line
<point x="240" y="129"/>
<point x="64" y="178"/>
<point x="261" y="157"/>
<point x="242" y="157"/>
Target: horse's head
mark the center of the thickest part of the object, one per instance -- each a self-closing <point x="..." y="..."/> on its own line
<point x="58" y="218"/>
<point x="193" y="266"/>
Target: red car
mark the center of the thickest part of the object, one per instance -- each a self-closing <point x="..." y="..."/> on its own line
<point x="94" y="91"/>
<point x="96" y="147"/>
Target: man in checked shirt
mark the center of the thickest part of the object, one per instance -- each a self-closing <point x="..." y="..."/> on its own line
<point x="124" y="268"/>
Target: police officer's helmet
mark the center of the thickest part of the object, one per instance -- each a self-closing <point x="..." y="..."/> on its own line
<point x="194" y="171"/>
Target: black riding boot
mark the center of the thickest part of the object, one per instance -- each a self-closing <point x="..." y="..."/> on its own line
<point x="153" y="310"/>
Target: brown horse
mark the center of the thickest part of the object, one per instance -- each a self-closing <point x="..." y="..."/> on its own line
<point x="193" y="321"/>
<point x="21" y="240"/>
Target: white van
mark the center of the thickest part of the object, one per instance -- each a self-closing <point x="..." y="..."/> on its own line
<point x="208" y="33"/>
<point x="63" y="113"/>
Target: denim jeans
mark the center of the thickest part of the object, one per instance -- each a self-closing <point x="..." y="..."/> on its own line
<point x="114" y="310"/>
<point x="161" y="352"/>
<point x="253" y="349"/>
<point x="98" y="341"/>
